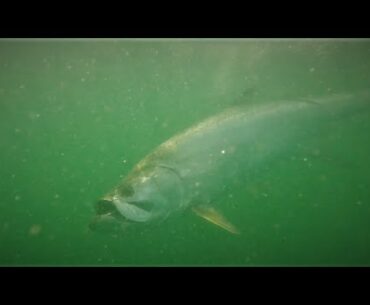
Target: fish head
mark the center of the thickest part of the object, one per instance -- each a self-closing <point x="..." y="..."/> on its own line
<point x="143" y="198"/>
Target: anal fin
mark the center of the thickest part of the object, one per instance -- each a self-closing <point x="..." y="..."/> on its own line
<point x="212" y="215"/>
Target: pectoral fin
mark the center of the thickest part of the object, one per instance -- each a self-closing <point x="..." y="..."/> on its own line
<point x="211" y="214"/>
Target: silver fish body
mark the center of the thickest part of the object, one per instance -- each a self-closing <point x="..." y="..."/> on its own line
<point x="195" y="167"/>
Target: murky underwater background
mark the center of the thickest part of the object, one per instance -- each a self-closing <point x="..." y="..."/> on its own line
<point x="76" y="115"/>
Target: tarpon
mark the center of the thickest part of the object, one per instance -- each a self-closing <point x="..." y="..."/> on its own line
<point x="192" y="169"/>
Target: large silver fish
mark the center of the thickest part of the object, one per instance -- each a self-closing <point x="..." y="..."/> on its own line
<point x="192" y="169"/>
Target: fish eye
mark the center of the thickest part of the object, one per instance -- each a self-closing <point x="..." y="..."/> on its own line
<point x="104" y="207"/>
<point x="126" y="190"/>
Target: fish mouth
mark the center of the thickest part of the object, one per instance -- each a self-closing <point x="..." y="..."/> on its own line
<point x="107" y="218"/>
<point x="105" y="207"/>
<point x="108" y="223"/>
<point x="111" y="216"/>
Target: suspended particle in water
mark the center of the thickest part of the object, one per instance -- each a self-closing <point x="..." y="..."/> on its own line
<point x="316" y="152"/>
<point x="62" y="85"/>
<point x="17" y="197"/>
<point x="33" y="115"/>
<point x="5" y="226"/>
<point x="34" y="230"/>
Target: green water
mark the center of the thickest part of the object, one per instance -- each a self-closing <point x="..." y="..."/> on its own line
<point x="77" y="115"/>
